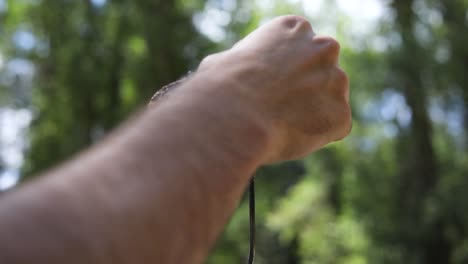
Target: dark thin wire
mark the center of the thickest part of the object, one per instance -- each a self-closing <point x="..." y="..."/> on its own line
<point x="252" y="220"/>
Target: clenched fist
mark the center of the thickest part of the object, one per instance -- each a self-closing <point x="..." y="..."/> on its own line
<point x="290" y="80"/>
<point x="293" y="79"/>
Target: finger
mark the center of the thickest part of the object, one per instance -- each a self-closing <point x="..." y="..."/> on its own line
<point x="331" y="81"/>
<point x="296" y="23"/>
<point x="340" y="83"/>
<point x="327" y="48"/>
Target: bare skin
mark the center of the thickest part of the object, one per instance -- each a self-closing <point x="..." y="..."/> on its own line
<point x="162" y="187"/>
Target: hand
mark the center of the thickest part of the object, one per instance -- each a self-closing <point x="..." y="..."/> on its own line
<point x="292" y="78"/>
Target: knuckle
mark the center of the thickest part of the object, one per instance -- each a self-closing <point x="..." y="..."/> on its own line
<point x="295" y="21"/>
<point x="330" y="44"/>
<point x="333" y="45"/>
<point x="303" y="23"/>
<point x="341" y="77"/>
<point x="346" y="123"/>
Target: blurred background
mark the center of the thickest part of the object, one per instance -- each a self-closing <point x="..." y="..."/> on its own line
<point x="395" y="191"/>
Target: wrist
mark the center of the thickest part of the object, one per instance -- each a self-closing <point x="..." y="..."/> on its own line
<point x="220" y="102"/>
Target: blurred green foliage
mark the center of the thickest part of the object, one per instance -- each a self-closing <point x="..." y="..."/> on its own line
<point x="393" y="192"/>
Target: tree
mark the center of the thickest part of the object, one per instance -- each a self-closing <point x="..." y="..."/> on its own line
<point x="97" y="63"/>
<point x="393" y="192"/>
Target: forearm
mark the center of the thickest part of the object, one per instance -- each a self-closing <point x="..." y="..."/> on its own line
<point x="158" y="191"/>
